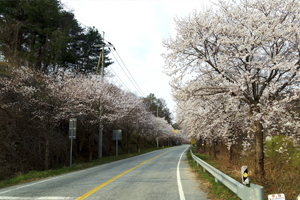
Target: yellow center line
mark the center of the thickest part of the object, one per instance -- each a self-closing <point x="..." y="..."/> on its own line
<point x="111" y="180"/>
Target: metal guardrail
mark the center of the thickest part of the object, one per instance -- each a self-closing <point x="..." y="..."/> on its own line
<point x="254" y="192"/>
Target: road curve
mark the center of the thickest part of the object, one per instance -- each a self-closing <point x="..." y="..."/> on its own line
<point x="161" y="174"/>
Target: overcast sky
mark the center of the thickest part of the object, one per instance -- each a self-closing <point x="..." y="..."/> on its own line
<point x="136" y="29"/>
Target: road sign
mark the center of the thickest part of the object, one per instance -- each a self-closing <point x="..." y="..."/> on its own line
<point x="193" y="141"/>
<point x="245" y="176"/>
<point x="72" y="134"/>
<point x="117" y="134"/>
<point x="276" y="197"/>
<point x="72" y="128"/>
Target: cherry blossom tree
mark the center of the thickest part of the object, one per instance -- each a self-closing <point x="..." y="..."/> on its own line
<point x="42" y="105"/>
<point x="124" y="110"/>
<point x="30" y="94"/>
<point x="247" y="55"/>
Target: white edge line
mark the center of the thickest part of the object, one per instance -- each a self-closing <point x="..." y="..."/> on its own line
<point x="30" y="184"/>
<point x="181" y="193"/>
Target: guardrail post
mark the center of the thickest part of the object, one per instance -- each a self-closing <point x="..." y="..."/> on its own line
<point x="257" y="191"/>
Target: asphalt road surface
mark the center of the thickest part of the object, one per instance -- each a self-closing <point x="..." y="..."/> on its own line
<point x="161" y="174"/>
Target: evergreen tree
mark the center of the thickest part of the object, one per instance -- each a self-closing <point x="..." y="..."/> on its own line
<point x="158" y="107"/>
<point x="87" y="53"/>
<point x="43" y="36"/>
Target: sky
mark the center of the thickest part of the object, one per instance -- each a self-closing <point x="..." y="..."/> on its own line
<point x="136" y="28"/>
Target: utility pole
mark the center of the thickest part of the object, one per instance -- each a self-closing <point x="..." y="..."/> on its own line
<point x="157" y="144"/>
<point x="101" y="109"/>
<point x="101" y="56"/>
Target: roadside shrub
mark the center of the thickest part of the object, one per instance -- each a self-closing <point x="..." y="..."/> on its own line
<point x="283" y="150"/>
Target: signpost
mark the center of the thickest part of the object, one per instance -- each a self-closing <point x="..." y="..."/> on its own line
<point x="193" y="141"/>
<point x="276" y="197"/>
<point x="117" y="135"/>
<point x="72" y="134"/>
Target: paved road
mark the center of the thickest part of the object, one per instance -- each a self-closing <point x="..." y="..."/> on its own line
<point x="162" y="174"/>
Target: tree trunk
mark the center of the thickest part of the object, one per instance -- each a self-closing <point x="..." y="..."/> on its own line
<point x="199" y="145"/>
<point x="259" y="151"/>
<point x="214" y="149"/>
<point x="231" y="152"/>
<point x="90" y="148"/>
<point x="127" y="142"/>
<point x="259" y="144"/>
<point x="47" y="152"/>
<point x="81" y="141"/>
<point x="47" y="146"/>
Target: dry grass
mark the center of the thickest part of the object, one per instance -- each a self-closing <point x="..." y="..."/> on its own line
<point x="280" y="176"/>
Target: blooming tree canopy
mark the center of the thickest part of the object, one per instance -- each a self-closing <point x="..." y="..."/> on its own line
<point x="238" y="63"/>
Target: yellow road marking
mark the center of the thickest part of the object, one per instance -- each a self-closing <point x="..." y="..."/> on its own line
<point x="111" y="180"/>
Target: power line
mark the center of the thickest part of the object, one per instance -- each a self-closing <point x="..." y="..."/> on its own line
<point x="118" y="78"/>
<point x="126" y="74"/>
<point x="130" y="77"/>
<point x="130" y="73"/>
<point x="134" y="83"/>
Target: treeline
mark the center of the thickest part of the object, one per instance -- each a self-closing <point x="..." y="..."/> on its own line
<point x="46" y="77"/>
<point x="43" y="36"/>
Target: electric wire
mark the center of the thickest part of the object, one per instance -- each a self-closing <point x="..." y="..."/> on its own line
<point x="130" y="73"/>
<point x="118" y="78"/>
<point x="136" y="86"/>
<point x="139" y="90"/>
<point x="126" y="74"/>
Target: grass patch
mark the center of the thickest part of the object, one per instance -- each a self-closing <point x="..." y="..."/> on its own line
<point x="36" y="175"/>
<point x="201" y="156"/>
<point x="216" y="190"/>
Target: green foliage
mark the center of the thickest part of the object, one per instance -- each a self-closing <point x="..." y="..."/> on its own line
<point x="296" y="159"/>
<point x="202" y="156"/>
<point x="282" y="149"/>
<point x="87" y="55"/>
<point x="4" y="70"/>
